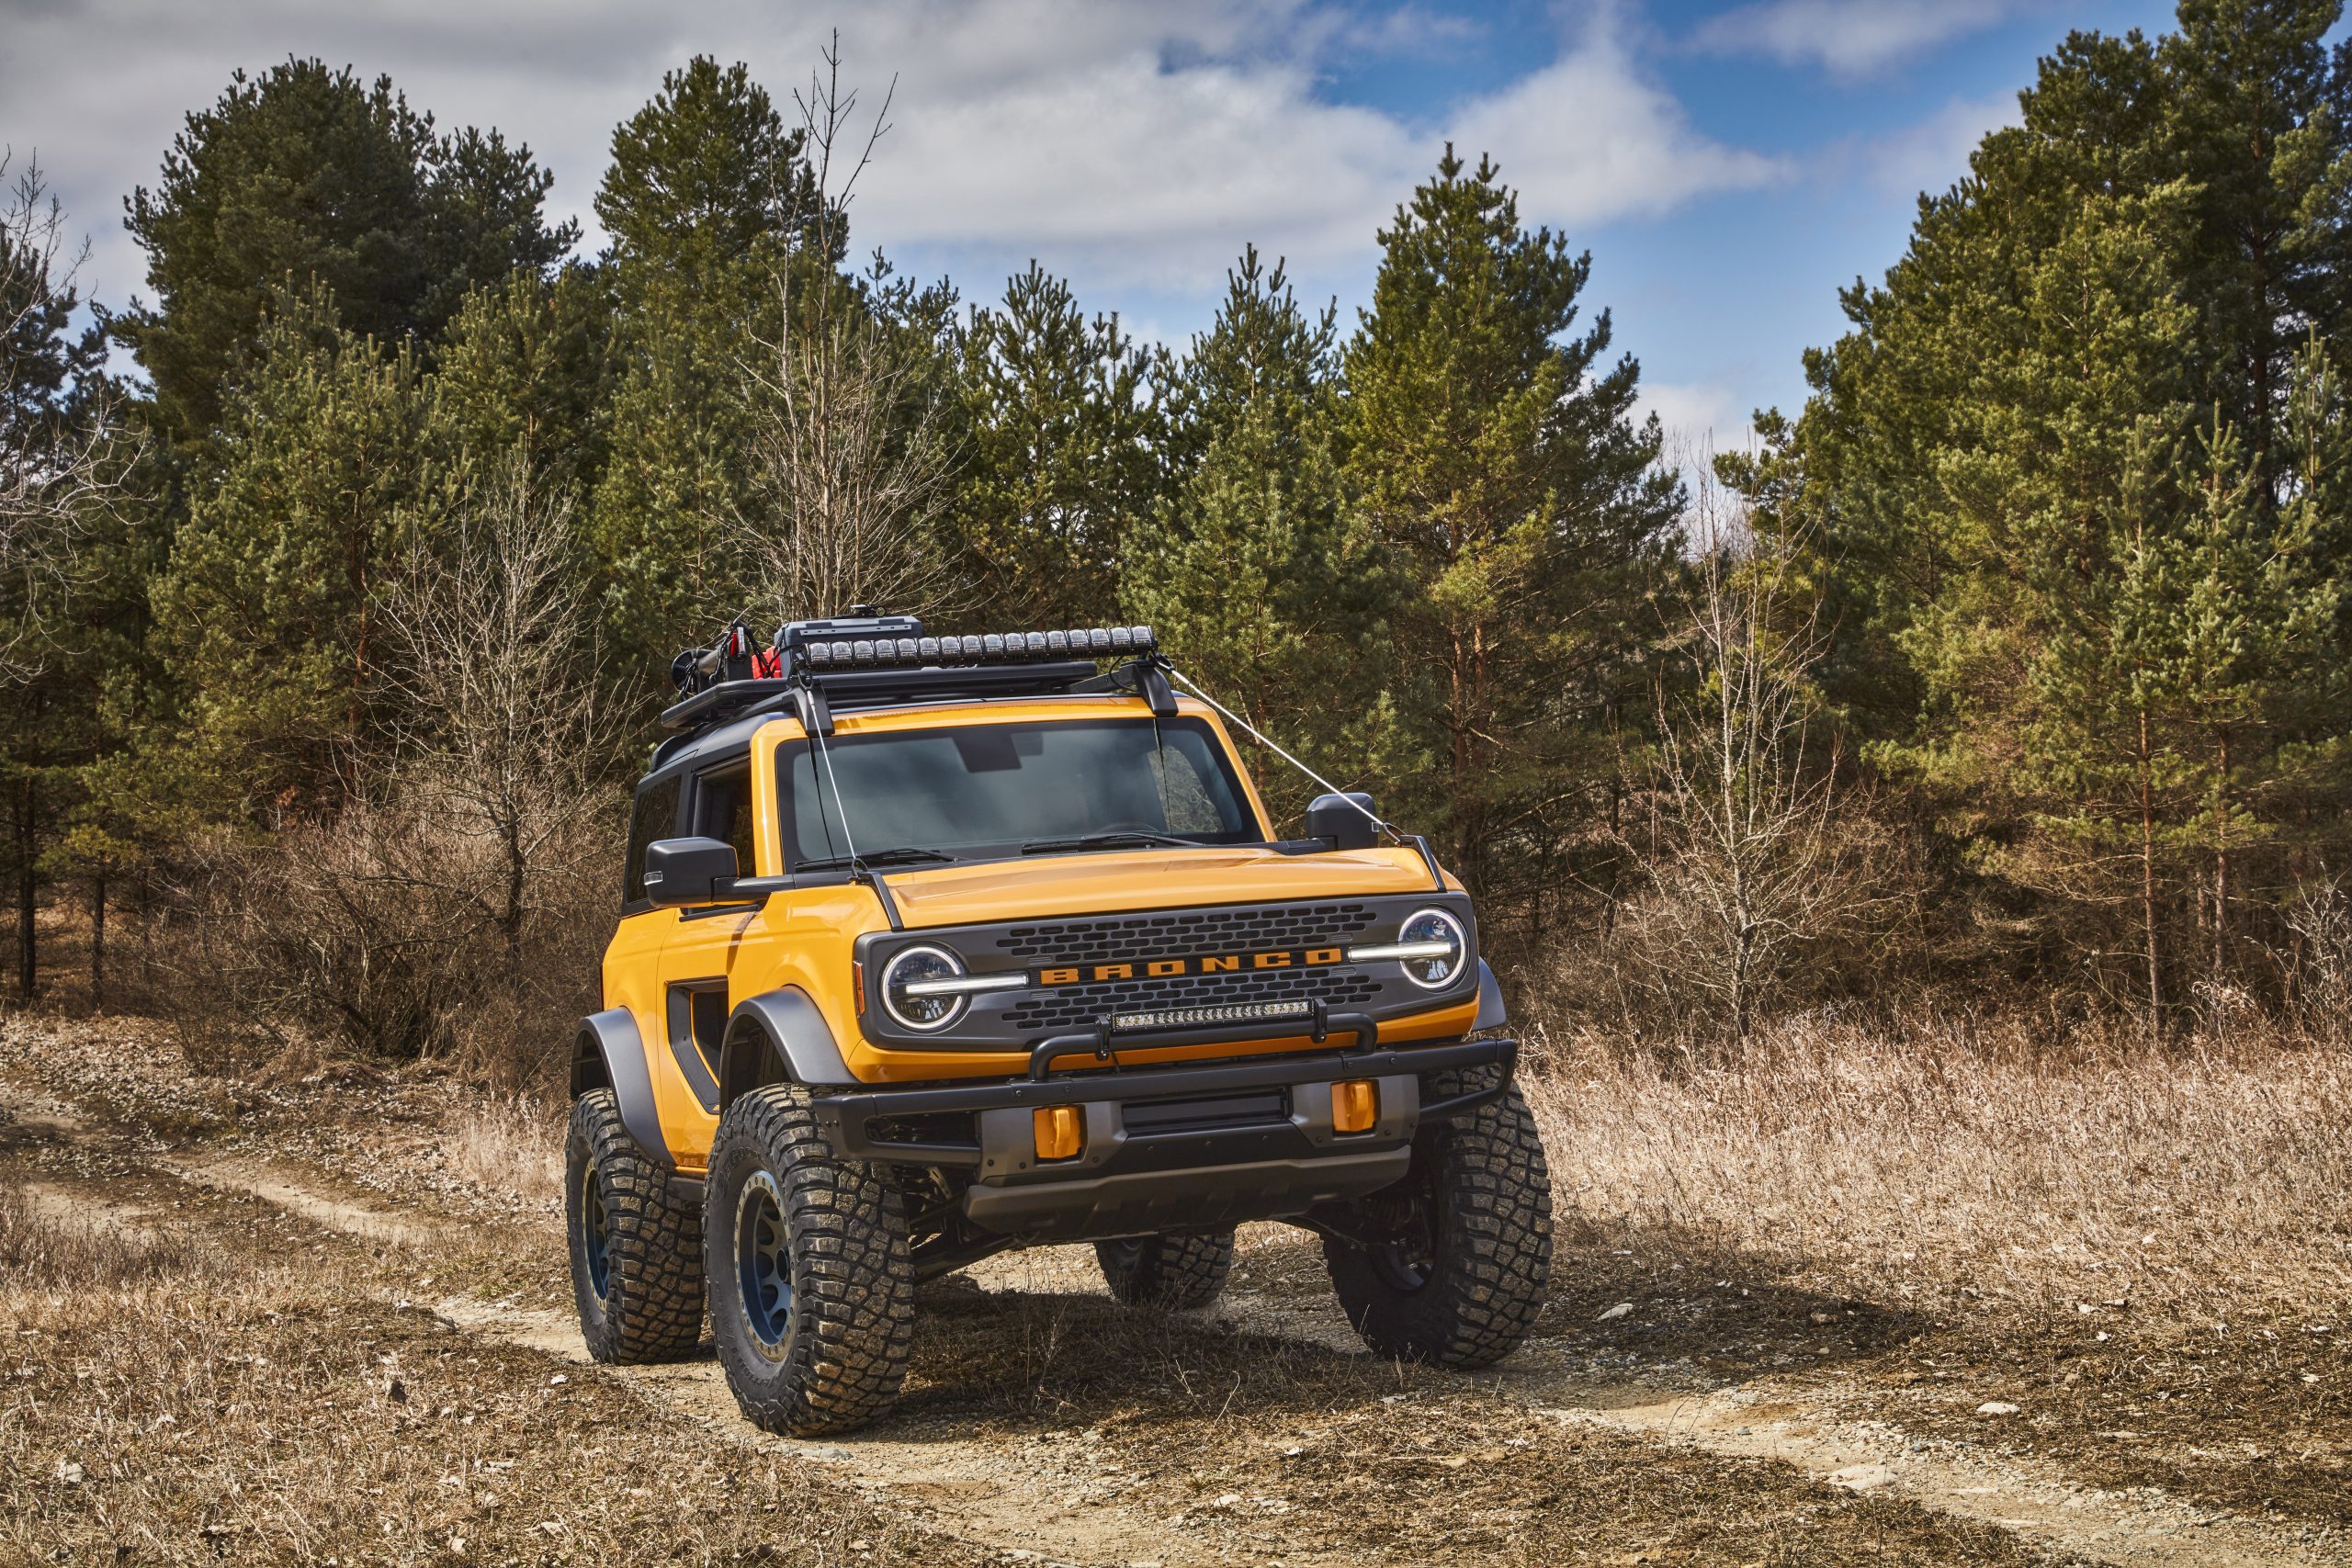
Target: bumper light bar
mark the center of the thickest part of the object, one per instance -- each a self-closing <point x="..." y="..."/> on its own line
<point x="1189" y="1018"/>
<point x="1006" y="648"/>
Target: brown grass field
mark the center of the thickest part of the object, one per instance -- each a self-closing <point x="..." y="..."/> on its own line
<point x="306" y="1314"/>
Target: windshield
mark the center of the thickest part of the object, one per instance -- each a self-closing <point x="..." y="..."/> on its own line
<point x="983" y="789"/>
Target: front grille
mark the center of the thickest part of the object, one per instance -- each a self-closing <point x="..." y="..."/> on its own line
<point x="1183" y="934"/>
<point x="1068" y="1007"/>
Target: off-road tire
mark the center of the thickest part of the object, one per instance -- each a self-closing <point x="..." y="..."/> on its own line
<point x="650" y="1262"/>
<point x="833" y="1356"/>
<point x="1174" y="1273"/>
<point x="1484" y="1256"/>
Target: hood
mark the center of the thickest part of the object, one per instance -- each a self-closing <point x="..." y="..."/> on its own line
<point x="1111" y="881"/>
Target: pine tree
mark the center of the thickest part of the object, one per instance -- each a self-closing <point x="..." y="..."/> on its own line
<point x="269" y="610"/>
<point x="525" y="367"/>
<point x="706" y="200"/>
<point x="68" y="555"/>
<point x="2055" y="477"/>
<point x="305" y="177"/>
<point x="1062" y="458"/>
<point x="1245" y="572"/>
<point x="1504" y="479"/>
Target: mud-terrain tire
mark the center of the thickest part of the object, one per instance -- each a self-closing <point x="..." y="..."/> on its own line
<point x="1174" y="1273"/>
<point x="636" y="1246"/>
<point x="812" y="1285"/>
<point x="1459" y="1277"/>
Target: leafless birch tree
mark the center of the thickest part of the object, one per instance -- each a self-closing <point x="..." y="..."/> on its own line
<point x="850" y="454"/>
<point x="511" y="722"/>
<point x="1757" y="865"/>
<point x="61" y="452"/>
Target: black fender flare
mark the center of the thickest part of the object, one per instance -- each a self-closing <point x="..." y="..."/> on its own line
<point x="610" y="1054"/>
<point x="1492" y="1012"/>
<point x="778" y="1036"/>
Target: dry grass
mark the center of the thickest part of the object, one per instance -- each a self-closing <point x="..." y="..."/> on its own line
<point x="253" y="1392"/>
<point x="2193" y="1181"/>
<point x="54" y="1251"/>
<point x="2145" y="1250"/>
<point x="511" y="1143"/>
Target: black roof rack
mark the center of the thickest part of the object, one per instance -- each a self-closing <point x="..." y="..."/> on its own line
<point x="870" y="662"/>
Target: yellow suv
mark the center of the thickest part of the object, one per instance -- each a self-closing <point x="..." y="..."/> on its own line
<point x="934" y="947"/>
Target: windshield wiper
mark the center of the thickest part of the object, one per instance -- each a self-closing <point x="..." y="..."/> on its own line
<point x="1104" y="840"/>
<point x="904" y="854"/>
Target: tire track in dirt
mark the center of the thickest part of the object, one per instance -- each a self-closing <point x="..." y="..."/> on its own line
<point x="1060" y="1503"/>
<point x="1787" y="1424"/>
<point x="1055" y="1508"/>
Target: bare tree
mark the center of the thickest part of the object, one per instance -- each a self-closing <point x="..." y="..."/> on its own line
<point x="849" y="453"/>
<point x="511" y="721"/>
<point x="1757" y="863"/>
<point x="62" y="453"/>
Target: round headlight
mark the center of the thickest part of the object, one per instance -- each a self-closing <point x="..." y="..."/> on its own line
<point x="911" y="968"/>
<point x="1433" y="926"/>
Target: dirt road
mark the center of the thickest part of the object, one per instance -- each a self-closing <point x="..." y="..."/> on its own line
<point x="1041" y="1423"/>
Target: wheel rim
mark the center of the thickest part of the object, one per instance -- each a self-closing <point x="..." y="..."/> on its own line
<point x="763" y="1263"/>
<point x="595" y="1241"/>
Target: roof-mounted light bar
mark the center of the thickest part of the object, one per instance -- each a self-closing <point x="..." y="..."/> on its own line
<point x="992" y="647"/>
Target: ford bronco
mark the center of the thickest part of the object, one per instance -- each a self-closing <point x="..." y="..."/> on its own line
<point x="936" y="946"/>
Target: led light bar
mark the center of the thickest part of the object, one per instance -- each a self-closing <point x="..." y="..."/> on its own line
<point x="992" y="647"/>
<point x="1192" y="1018"/>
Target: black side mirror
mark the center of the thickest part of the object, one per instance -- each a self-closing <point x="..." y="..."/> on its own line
<point x="1345" y="820"/>
<point x="689" y="871"/>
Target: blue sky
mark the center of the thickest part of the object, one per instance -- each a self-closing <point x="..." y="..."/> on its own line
<point x="1729" y="163"/>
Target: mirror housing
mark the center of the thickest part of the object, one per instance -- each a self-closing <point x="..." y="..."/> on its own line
<point x="1339" y="819"/>
<point x="689" y="871"/>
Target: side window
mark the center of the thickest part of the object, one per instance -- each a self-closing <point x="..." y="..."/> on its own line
<point x="656" y="816"/>
<point x="723" y="810"/>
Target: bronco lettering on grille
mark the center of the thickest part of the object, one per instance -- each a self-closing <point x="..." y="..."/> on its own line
<point x="1173" y="968"/>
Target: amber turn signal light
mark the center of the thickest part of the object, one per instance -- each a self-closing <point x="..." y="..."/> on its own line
<point x="1355" y="1105"/>
<point x="1061" y="1131"/>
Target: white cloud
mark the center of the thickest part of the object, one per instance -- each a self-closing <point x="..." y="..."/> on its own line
<point x="1588" y="138"/>
<point x="1932" y="154"/>
<point x="1699" y="418"/>
<point x="1849" y="37"/>
<point x="1133" y="145"/>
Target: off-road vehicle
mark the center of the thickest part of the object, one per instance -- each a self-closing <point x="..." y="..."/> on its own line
<point x="936" y="946"/>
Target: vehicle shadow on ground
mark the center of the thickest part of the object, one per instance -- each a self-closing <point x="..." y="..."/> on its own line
<point x="1658" y="1298"/>
<point x="1052" y="1356"/>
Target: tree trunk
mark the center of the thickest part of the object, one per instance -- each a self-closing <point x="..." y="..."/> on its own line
<point x="28" y="885"/>
<point x="97" y="944"/>
<point x="2221" y="864"/>
<point x="2148" y="880"/>
<point x="510" y="919"/>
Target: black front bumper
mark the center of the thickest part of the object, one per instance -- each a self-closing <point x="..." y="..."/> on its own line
<point x="1178" y="1147"/>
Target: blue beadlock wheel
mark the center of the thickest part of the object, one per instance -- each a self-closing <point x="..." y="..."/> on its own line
<point x="763" y="1263"/>
<point x="631" y="1234"/>
<point x="812" y="1304"/>
<point x="595" y="1236"/>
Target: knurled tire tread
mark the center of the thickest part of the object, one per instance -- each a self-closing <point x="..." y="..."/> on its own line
<point x="653" y="1309"/>
<point x="1492" y="1183"/>
<point x="852" y="1327"/>
<point x="1173" y="1273"/>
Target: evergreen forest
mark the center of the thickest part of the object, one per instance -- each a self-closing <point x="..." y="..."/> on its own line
<point x="342" y="564"/>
